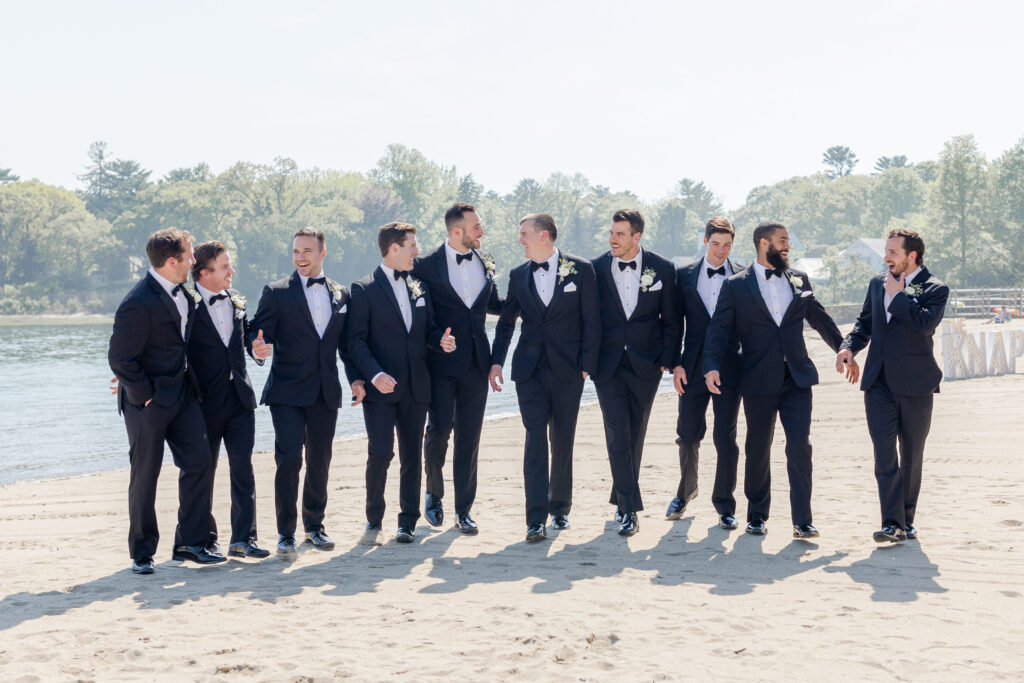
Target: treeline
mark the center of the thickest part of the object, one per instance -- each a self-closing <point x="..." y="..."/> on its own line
<point x="63" y="251"/>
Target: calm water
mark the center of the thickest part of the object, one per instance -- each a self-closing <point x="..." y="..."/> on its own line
<point x="58" y="418"/>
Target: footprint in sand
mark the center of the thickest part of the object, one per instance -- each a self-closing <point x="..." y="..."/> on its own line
<point x="1011" y="522"/>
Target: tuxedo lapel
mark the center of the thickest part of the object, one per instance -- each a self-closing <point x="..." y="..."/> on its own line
<point x="203" y="313"/>
<point x="442" y="271"/>
<point x="531" y="288"/>
<point x="604" y="271"/>
<point x="389" y="293"/>
<point x="694" y="281"/>
<point x="755" y="289"/>
<point x="295" y="287"/>
<point x="796" y="297"/>
<point x="167" y="299"/>
<point x="484" y="293"/>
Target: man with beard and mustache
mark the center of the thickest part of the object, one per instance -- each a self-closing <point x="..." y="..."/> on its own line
<point x="765" y="307"/>
<point x="901" y="311"/>
<point x="461" y="282"/>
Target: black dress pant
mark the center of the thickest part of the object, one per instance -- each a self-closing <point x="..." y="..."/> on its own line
<point x="691" y="428"/>
<point x="382" y="421"/>
<point x="626" y="402"/>
<point x="549" y="407"/>
<point x="793" y="406"/>
<point x="457" y="402"/>
<point x="296" y="427"/>
<point x="181" y="426"/>
<point x="235" y="425"/>
<point x="903" y="421"/>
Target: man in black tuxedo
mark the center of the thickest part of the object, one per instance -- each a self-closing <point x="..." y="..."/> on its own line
<point x="556" y="295"/>
<point x="301" y="320"/>
<point x="391" y="331"/>
<point x="636" y="289"/>
<point x="460" y="279"/>
<point x="765" y="307"/>
<point x="698" y="287"/>
<point x="157" y="397"/>
<point x="901" y="311"/>
<point x="216" y="352"/>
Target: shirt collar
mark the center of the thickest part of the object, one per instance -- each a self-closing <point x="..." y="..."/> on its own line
<point x="451" y="252"/>
<point x="164" y="282"/>
<point x="725" y="263"/>
<point x="638" y="258"/>
<point x="910" y="278"/>
<point x="389" y="273"/>
<point x="305" y="279"/>
<point x="206" y="294"/>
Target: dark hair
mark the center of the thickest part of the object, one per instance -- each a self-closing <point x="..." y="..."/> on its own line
<point x="765" y="230"/>
<point x="205" y="254"/>
<point x="720" y="225"/>
<point x="911" y="242"/>
<point x="393" y="233"/>
<point x="635" y="220"/>
<point x="311" y="232"/>
<point x="455" y="213"/>
<point x="542" y="221"/>
<point x="165" y="244"/>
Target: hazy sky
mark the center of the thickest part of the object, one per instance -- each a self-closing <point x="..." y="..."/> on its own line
<point x="633" y="95"/>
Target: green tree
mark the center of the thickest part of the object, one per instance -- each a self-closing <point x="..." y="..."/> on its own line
<point x="895" y="193"/>
<point x="426" y="188"/>
<point x="839" y="161"/>
<point x="962" y="192"/>
<point x="111" y="185"/>
<point x="885" y="163"/>
<point x="469" y="189"/>
<point x="8" y="176"/>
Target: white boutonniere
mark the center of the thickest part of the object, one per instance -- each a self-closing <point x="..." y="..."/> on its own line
<point x="796" y="281"/>
<point x="335" y="289"/>
<point x="647" y="279"/>
<point x="191" y="290"/>
<point x="488" y="262"/>
<point x="415" y="288"/>
<point x="565" y="269"/>
<point x="913" y="291"/>
<point x="238" y="301"/>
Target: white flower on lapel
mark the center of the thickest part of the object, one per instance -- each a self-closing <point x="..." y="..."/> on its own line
<point x="796" y="281"/>
<point x="415" y="288"/>
<point x="335" y="292"/>
<point x="239" y="301"/>
<point x="913" y="290"/>
<point x="565" y="269"/>
<point x="191" y="290"/>
<point x="647" y="279"/>
<point x="488" y="262"/>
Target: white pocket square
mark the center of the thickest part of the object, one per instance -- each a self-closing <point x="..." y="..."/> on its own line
<point x="571" y="287"/>
<point x="343" y="308"/>
<point x="805" y="294"/>
<point x="420" y="302"/>
<point x="655" y="287"/>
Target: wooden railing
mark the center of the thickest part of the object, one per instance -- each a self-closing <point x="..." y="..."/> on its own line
<point x="985" y="302"/>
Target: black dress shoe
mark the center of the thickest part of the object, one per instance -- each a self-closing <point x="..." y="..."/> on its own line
<point x="727" y="522"/>
<point x="214" y="547"/>
<point x="560" y="522"/>
<point x="675" y="509"/>
<point x="285" y="545"/>
<point x="433" y="510"/>
<point x="619" y="515"/>
<point x="320" y="540"/>
<point x="536" y="532"/>
<point x="911" y="532"/>
<point x="805" y="531"/>
<point x="890" y="533"/>
<point x="405" y="535"/>
<point x="465" y="524"/>
<point x="143" y="565"/>
<point x="372" y="535"/>
<point x="630" y="524"/>
<point x="196" y="553"/>
<point x="247" y="549"/>
<point x="756" y="527"/>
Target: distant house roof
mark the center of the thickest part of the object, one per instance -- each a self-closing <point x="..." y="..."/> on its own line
<point x="815" y="269"/>
<point x="862" y="245"/>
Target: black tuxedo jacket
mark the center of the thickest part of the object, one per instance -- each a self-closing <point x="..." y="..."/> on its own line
<point x="567" y="331"/>
<point x="903" y="346"/>
<point x="147" y="353"/>
<point x="693" y="327"/>
<point x="767" y="348"/>
<point x="220" y="369"/>
<point x="649" y="335"/>
<point x="378" y="341"/>
<point x="303" y="364"/>
<point x="467" y="323"/>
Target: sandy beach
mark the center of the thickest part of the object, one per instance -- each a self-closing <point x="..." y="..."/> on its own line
<point x="681" y="600"/>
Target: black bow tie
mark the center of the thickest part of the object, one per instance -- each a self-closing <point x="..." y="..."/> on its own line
<point x="217" y="297"/>
<point x="404" y="274"/>
<point x="322" y="280"/>
<point x="720" y="270"/>
<point x="459" y="258"/>
<point x="177" y="288"/>
<point x="534" y="266"/>
<point x="627" y="264"/>
<point x="768" y="272"/>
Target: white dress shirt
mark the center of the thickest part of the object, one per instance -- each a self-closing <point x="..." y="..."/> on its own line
<point x="468" y="278"/>
<point x="886" y="299"/>
<point x="318" y="297"/>
<point x="545" y="280"/>
<point x="222" y="313"/>
<point x="627" y="281"/>
<point x="710" y="287"/>
<point x="776" y="292"/>
<point x="401" y="290"/>
<point x="178" y="300"/>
